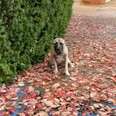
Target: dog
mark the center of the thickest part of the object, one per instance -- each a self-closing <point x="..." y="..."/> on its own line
<point x="60" y="54"/>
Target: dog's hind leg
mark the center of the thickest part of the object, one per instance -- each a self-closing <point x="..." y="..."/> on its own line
<point x="66" y="66"/>
<point x="70" y="63"/>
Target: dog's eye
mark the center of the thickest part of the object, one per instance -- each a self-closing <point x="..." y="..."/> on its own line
<point x="61" y="44"/>
<point x="55" y="45"/>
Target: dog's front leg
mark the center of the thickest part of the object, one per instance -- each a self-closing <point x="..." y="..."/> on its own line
<point x="66" y="66"/>
<point x="56" y="67"/>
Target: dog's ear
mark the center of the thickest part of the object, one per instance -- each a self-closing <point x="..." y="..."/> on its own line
<point x="55" y="40"/>
<point x="62" y="40"/>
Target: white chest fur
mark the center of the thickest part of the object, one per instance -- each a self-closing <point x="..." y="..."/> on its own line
<point x="60" y="58"/>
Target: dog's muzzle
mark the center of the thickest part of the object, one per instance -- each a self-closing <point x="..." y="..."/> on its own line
<point x="58" y="47"/>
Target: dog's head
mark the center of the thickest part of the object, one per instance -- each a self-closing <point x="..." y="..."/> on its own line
<point x="58" y="45"/>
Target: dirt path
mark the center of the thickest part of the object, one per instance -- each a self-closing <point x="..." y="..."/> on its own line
<point x="108" y="8"/>
<point x="91" y="89"/>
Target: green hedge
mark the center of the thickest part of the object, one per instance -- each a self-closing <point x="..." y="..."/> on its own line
<point x="27" y="29"/>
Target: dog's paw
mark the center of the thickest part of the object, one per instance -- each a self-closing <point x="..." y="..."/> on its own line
<point x="67" y="73"/>
<point x="72" y="65"/>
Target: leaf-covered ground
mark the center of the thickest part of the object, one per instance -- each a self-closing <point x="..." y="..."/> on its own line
<point x="91" y="88"/>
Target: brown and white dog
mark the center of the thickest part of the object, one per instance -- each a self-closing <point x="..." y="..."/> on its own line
<point x="59" y="54"/>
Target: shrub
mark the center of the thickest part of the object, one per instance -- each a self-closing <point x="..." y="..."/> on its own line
<point x="29" y="28"/>
<point x="6" y="70"/>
